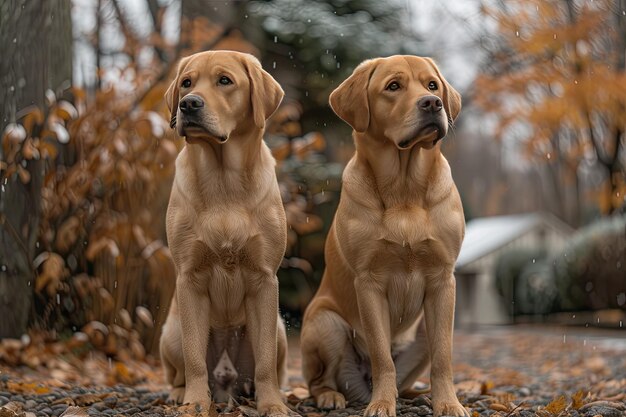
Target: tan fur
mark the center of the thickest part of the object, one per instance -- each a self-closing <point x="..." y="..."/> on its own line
<point x="227" y="233"/>
<point x="385" y="306"/>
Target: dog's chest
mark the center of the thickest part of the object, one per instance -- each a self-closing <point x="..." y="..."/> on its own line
<point x="409" y="234"/>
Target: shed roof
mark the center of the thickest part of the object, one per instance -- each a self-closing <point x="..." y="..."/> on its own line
<point x="487" y="234"/>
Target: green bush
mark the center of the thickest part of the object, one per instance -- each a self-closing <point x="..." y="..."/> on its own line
<point x="508" y="269"/>
<point x="536" y="292"/>
<point x="590" y="272"/>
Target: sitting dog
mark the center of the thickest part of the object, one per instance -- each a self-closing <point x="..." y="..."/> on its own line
<point x="227" y="234"/>
<point x="385" y="306"/>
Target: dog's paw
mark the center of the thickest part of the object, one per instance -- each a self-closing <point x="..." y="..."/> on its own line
<point x="381" y="408"/>
<point x="449" y="408"/>
<point x="177" y="395"/>
<point x="276" y="410"/>
<point x="198" y="410"/>
<point x="331" y="400"/>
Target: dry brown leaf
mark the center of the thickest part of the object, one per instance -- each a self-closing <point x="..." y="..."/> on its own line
<point x="87" y="399"/>
<point x="74" y="411"/>
<point x="498" y="407"/>
<point x="557" y="405"/>
<point x="485" y="387"/>
<point x="27" y="388"/>
<point x="578" y="400"/>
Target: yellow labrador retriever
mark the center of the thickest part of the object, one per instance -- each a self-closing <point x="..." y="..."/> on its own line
<point x="385" y="306"/>
<point x="227" y="234"/>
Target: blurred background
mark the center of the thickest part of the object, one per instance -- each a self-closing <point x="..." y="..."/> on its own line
<point x="87" y="155"/>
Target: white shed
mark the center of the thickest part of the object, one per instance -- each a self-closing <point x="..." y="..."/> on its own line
<point x="478" y="301"/>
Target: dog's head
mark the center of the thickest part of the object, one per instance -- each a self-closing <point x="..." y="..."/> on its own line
<point x="217" y="93"/>
<point x="403" y="98"/>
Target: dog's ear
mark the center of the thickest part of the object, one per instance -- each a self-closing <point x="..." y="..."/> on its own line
<point x="349" y="101"/>
<point x="451" y="97"/>
<point x="265" y="92"/>
<point x="171" y="95"/>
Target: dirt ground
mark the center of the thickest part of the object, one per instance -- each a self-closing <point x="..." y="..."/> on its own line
<point x="499" y="372"/>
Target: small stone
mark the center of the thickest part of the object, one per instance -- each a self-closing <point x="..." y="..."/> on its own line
<point x="30" y="404"/>
<point x="100" y="406"/>
<point x="424" y="410"/>
<point x="603" y="411"/>
<point x="422" y="400"/>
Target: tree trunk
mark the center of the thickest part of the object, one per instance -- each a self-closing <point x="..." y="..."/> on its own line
<point x="36" y="40"/>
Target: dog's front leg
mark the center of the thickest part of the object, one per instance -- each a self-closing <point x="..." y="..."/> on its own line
<point x="374" y="312"/>
<point x="439" y="315"/>
<point x="261" y="311"/>
<point x="194" y="306"/>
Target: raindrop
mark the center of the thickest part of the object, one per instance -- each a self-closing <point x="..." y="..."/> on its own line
<point x="548" y="155"/>
<point x="274" y="64"/>
<point x="573" y="316"/>
<point x="347" y="385"/>
<point x="275" y="39"/>
<point x="115" y="284"/>
<point x="585" y="342"/>
<point x="621" y="299"/>
<point x="29" y="283"/>
<point x="2" y="188"/>
<point x="353" y="333"/>
<point x="533" y="260"/>
<point x="110" y="364"/>
<point x="245" y="16"/>
<point x="564" y="338"/>
<point x="3" y="268"/>
<point x="400" y="319"/>
<point x="339" y="66"/>
<point x="308" y="20"/>
<point x="14" y="40"/>
<point x="554" y="36"/>
<point x="58" y="298"/>
<point x="620" y="323"/>
<point x="517" y="33"/>
<point x="161" y="166"/>
<point x="307" y="219"/>
<point x="37" y="244"/>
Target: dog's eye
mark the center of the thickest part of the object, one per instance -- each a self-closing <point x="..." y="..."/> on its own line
<point x="393" y="86"/>
<point x="186" y="83"/>
<point x="432" y="86"/>
<point x="224" y="80"/>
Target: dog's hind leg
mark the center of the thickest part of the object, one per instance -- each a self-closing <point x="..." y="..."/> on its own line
<point x="324" y="338"/>
<point x="171" y="350"/>
<point x="411" y="362"/>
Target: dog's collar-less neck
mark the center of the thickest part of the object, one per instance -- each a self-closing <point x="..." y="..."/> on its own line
<point x="411" y="167"/>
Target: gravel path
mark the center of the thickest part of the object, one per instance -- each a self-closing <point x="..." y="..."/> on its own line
<point x="499" y="372"/>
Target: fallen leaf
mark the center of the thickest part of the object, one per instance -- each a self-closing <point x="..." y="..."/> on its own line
<point x="557" y="405"/>
<point x="498" y="407"/>
<point x="74" y="411"/>
<point x="578" y="400"/>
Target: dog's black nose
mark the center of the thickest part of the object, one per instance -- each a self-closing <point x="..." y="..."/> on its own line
<point x="191" y="104"/>
<point x="430" y="104"/>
